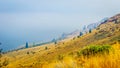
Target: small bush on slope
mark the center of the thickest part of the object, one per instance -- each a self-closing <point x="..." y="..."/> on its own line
<point x="93" y="50"/>
<point x="60" y="57"/>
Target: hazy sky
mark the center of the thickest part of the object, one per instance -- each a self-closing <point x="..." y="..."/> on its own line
<point x="40" y="20"/>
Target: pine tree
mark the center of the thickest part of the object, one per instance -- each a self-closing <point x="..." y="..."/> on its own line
<point x="90" y="30"/>
<point x="81" y="33"/>
<point x="26" y="45"/>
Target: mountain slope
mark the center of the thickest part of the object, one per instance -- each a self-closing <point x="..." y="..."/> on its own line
<point x="84" y="30"/>
<point x="106" y="33"/>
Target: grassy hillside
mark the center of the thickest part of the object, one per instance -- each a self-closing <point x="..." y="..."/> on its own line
<point x="65" y="54"/>
<point x="109" y="59"/>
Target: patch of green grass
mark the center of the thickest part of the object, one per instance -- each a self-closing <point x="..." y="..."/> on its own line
<point x="93" y="50"/>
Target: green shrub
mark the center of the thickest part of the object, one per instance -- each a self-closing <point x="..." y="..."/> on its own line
<point x="93" y="50"/>
<point x="55" y="42"/>
<point x="60" y="57"/>
<point x="27" y="52"/>
<point x="46" y="48"/>
<point x="78" y="36"/>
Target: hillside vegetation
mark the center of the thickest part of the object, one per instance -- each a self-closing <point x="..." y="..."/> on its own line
<point x="96" y="49"/>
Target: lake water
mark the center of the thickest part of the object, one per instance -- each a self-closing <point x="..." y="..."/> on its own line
<point x="13" y="40"/>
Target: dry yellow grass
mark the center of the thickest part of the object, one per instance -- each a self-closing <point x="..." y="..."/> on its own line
<point x="23" y="60"/>
<point x="111" y="60"/>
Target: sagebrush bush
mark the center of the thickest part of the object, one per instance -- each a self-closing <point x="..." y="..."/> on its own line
<point x="60" y="57"/>
<point x="27" y="52"/>
<point x="92" y="50"/>
<point x="46" y="48"/>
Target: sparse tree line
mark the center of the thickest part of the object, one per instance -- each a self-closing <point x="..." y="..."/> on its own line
<point x="83" y="32"/>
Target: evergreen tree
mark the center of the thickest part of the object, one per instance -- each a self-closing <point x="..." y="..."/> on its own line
<point x="81" y="33"/>
<point x="90" y="30"/>
<point x="26" y="45"/>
